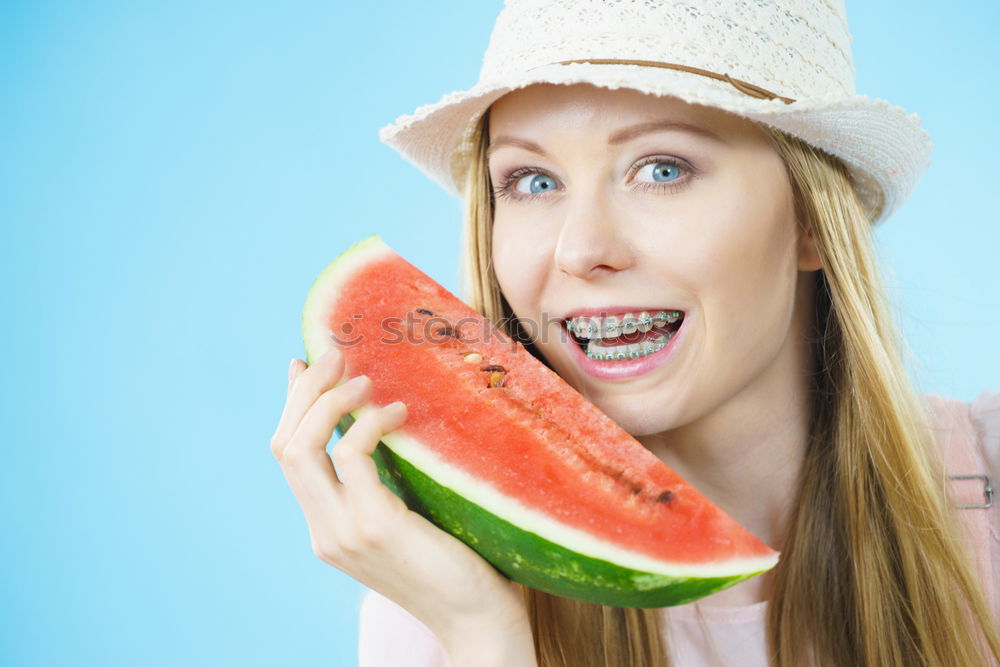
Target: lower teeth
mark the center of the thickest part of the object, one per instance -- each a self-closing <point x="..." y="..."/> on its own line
<point x="624" y="352"/>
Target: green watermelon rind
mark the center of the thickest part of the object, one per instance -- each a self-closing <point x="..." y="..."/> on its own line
<point x="528" y="558"/>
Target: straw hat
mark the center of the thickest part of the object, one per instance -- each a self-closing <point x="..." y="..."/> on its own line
<point x="784" y="63"/>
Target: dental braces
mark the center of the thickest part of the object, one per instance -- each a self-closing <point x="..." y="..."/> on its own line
<point x="631" y="325"/>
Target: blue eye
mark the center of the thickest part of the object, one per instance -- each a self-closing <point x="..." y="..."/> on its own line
<point x="661" y="172"/>
<point x="535" y="184"/>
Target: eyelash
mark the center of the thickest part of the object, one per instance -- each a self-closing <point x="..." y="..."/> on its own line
<point x="509" y="180"/>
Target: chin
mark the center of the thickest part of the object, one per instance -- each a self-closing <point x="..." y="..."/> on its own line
<point x="637" y="420"/>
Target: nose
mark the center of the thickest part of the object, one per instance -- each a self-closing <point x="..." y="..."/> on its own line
<point x="591" y="240"/>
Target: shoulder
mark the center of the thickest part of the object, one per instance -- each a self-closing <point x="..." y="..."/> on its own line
<point x="390" y="636"/>
<point x="969" y="436"/>
<point x="985" y="415"/>
<point x="968" y="429"/>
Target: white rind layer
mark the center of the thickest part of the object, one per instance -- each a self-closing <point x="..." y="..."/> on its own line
<point x="315" y="328"/>
<point x="532" y="521"/>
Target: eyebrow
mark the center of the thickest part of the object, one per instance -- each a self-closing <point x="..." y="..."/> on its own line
<point x="514" y="141"/>
<point x="623" y="135"/>
<point x="619" y="137"/>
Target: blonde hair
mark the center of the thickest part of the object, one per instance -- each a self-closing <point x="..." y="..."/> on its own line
<point x="874" y="570"/>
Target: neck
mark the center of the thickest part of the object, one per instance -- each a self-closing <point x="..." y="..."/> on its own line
<point x="745" y="457"/>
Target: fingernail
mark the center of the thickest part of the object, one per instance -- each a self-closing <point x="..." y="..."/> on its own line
<point x="291" y="368"/>
<point x="395" y="409"/>
<point x="329" y="354"/>
<point x="357" y="382"/>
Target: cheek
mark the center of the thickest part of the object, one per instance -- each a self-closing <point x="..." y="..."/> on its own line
<point x="751" y="272"/>
<point x="736" y="251"/>
<point x="519" y="266"/>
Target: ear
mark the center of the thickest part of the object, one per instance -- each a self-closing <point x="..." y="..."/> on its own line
<point x="808" y="255"/>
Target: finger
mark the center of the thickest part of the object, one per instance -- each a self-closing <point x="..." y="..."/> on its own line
<point x="306" y="464"/>
<point x="306" y="387"/>
<point x="308" y="442"/>
<point x="355" y="465"/>
<point x="294" y="368"/>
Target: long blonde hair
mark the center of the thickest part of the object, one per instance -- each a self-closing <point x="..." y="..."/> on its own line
<point x="874" y="571"/>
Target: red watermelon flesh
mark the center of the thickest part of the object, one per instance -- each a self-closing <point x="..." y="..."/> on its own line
<point x="491" y="426"/>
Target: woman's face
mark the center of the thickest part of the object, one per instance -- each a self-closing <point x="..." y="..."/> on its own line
<point x="611" y="203"/>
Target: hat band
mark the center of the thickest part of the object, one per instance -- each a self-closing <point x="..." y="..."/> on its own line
<point x="742" y="86"/>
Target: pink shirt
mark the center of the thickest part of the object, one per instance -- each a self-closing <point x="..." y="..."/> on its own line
<point x="703" y="636"/>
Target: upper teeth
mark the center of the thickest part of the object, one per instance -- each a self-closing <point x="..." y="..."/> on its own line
<point x="607" y="327"/>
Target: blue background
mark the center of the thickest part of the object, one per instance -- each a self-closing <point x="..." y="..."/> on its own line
<point x="172" y="177"/>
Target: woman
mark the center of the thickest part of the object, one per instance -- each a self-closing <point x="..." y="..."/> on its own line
<point x="615" y="160"/>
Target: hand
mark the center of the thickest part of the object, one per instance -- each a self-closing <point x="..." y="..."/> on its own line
<point x="359" y="526"/>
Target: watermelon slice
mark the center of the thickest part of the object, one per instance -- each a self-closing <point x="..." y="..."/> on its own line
<point x="500" y="452"/>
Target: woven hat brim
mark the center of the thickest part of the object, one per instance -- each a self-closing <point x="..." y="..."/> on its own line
<point x="883" y="146"/>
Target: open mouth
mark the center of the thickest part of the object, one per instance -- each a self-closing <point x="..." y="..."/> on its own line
<point x="627" y="336"/>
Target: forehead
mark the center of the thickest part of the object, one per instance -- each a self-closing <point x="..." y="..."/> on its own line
<point x="544" y="106"/>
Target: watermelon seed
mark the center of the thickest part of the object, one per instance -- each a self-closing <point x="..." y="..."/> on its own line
<point x="636" y="490"/>
<point x="495" y="368"/>
<point x="665" y="497"/>
<point x="496" y="379"/>
<point x="472" y="357"/>
<point x="423" y="311"/>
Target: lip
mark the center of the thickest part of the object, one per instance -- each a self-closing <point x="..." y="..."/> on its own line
<point x="619" y="370"/>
